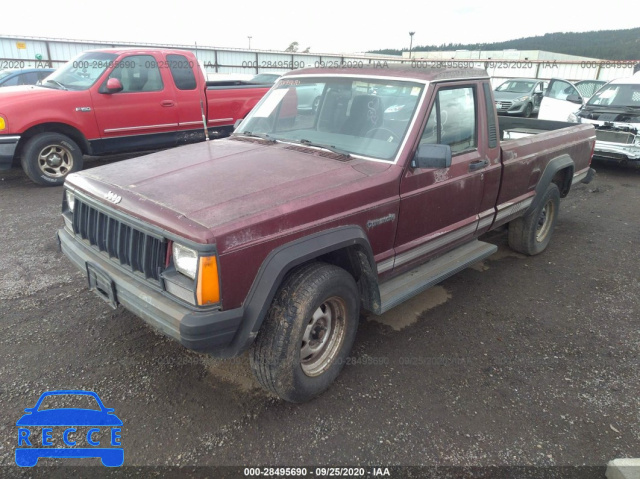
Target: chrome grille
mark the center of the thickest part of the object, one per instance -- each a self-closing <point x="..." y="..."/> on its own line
<point x="134" y="249"/>
<point x="504" y="105"/>
<point x="615" y="136"/>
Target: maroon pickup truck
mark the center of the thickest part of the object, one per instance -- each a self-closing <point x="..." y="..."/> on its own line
<point x="275" y="238"/>
<point x="114" y="101"/>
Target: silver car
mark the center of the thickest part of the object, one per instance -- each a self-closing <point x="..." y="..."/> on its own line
<point x="519" y="96"/>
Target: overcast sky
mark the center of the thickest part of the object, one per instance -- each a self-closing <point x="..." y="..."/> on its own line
<point x="327" y="26"/>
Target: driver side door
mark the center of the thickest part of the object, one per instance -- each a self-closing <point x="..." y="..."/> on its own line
<point x="441" y="207"/>
<point x="560" y="100"/>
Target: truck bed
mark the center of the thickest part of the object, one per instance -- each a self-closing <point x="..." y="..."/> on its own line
<point x="528" y="147"/>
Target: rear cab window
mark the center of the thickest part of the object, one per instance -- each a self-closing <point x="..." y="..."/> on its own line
<point x="181" y="70"/>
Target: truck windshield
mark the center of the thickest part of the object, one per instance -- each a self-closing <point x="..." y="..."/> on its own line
<point x="368" y="117"/>
<point x="617" y="95"/>
<point x="81" y="72"/>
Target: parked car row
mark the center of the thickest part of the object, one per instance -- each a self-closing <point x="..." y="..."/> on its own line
<point x="612" y="107"/>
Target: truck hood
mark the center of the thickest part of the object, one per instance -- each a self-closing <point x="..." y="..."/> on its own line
<point x="223" y="182"/>
<point x="601" y="115"/>
<point x="16" y="95"/>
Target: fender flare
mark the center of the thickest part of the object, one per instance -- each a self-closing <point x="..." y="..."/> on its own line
<point x="282" y="260"/>
<point x="556" y="164"/>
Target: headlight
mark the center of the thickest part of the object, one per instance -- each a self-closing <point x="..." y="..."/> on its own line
<point x="185" y="260"/>
<point x="71" y="200"/>
<point x="522" y="98"/>
<point x="573" y="118"/>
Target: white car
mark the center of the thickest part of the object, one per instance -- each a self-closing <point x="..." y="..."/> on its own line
<point x="614" y="111"/>
<point x="562" y="98"/>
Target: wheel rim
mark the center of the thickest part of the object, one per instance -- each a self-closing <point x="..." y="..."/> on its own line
<point x="544" y="221"/>
<point x="55" y="160"/>
<point x="323" y="336"/>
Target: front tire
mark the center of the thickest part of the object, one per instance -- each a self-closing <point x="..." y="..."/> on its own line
<point x="308" y="333"/>
<point x="531" y="233"/>
<point x="48" y="158"/>
<point x="527" y="110"/>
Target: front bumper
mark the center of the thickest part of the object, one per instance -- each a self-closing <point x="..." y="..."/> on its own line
<point x="605" y="150"/>
<point x="510" y="108"/>
<point x="8" y="145"/>
<point x="210" y="331"/>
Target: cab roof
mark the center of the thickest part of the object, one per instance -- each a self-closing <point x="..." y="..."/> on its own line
<point x="406" y="71"/>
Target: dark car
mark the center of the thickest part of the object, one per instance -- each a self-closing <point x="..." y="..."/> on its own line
<point x="27" y="76"/>
<point x="265" y="78"/>
<point x="519" y="96"/>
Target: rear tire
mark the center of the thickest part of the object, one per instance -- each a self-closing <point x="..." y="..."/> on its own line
<point x="308" y="333"/>
<point x="531" y="233"/>
<point x="48" y="158"/>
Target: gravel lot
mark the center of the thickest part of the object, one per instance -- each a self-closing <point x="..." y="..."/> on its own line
<point x="517" y="361"/>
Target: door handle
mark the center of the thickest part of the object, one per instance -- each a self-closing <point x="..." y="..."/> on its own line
<point x="167" y="103"/>
<point x="478" y="165"/>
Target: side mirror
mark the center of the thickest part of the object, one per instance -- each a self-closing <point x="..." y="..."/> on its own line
<point x="114" y="85"/>
<point x="575" y="99"/>
<point x="432" y="156"/>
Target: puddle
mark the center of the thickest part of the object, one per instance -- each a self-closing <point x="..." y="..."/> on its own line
<point x="408" y="312"/>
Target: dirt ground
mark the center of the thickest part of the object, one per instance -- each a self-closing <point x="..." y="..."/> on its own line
<point x="517" y="361"/>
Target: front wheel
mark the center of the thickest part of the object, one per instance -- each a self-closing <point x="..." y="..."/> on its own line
<point x="308" y="333"/>
<point x="48" y="158"/>
<point x="527" y="110"/>
<point x="531" y="233"/>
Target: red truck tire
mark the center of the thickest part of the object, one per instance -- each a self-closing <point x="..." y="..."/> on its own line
<point x="48" y="158"/>
<point x="308" y="333"/>
<point x="531" y="233"/>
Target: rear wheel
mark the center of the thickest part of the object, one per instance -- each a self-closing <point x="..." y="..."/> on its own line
<point x="48" y="158"/>
<point x="531" y="233"/>
<point x="308" y="332"/>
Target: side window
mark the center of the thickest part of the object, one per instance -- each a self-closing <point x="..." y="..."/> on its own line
<point x="452" y="120"/>
<point x="560" y="90"/>
<point x="182" y="72"/>
<point x="30" y="78"/>
<point x="138" y="73"/>
<point x="12" y="81"/>
<point x="43" y="75"/>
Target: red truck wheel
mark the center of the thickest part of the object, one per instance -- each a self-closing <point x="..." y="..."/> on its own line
<point x="531" y="233"/>
<point x="48" y="158"/>
<point x="308" y="333"/>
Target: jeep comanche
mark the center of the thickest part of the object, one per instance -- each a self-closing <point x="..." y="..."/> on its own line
<point x="275" y="238"/>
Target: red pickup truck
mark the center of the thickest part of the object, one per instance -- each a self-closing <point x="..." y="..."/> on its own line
<point x="275" y="238"/>
<point x="112" y="101"/>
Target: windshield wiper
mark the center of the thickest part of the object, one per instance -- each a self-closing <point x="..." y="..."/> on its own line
<point x="57" y="83"/>
<point x="331" y="148"/>
<point x="262" y="136"/>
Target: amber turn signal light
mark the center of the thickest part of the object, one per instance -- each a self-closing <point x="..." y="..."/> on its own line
<point x="208" y="290"/>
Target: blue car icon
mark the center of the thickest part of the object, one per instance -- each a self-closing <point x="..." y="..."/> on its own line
<point x="73" y="418"/>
